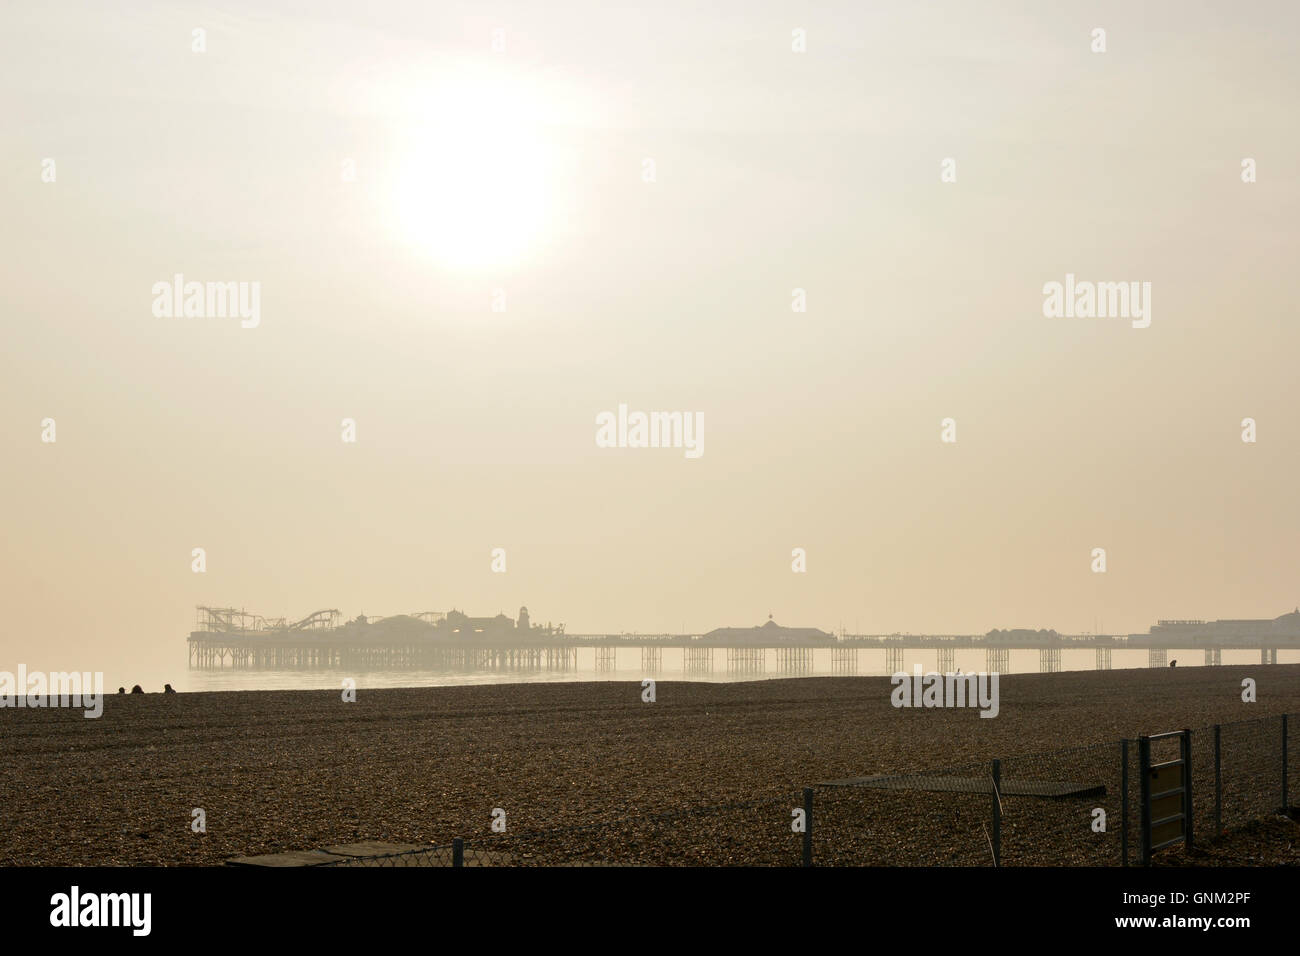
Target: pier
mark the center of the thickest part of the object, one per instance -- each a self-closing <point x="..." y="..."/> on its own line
<point x="257" y="655"/>
<point x="323" y="651"/>
<point x="229" y="638"/>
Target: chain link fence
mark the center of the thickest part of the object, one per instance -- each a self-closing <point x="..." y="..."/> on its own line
<point x="939" y="818"/>
<point x="1079" y="806"/>
<point x="751" y="833"/>
<point x="444" y="855"/>
<point x="1251" y="753"/>
<point x="1064" y="807"/>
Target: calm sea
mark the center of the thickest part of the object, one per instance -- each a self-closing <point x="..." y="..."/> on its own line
<point x="627" y="666"/>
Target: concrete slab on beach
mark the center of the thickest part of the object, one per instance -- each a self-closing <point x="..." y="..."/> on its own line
<point x="367" y="849"/>
<point x="372" y="848"/>
<point x="291" y="858"/>
<point x="374" y="853"/>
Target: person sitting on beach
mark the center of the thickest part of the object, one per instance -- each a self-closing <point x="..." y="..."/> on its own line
<point x="121" y="690"/>
<point x="167" y="689"/>
<point x="137" y="689"/>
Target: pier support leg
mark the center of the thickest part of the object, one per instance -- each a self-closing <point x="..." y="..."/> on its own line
<point x="698" y="659"/>
<point x="1103" y="658"/>
<point x="746" y="660"/>
<point x="562" y="658"/>
<point x="844" y="660"/>
<point x="795" y="660"/>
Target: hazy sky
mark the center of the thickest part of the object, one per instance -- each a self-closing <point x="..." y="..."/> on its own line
<point x="522" y="171"/>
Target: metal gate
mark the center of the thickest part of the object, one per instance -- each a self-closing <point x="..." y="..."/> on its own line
<point x="1166" y="810"/>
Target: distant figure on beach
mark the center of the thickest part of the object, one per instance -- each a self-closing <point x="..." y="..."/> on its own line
<point x="167" y="689"/>
<point x="137" y="689"/>
<point x="1174" y="662"/>
<point x="121" y="690"/>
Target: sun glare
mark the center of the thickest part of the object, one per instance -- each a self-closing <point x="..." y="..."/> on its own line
<point x="473" y="177"/>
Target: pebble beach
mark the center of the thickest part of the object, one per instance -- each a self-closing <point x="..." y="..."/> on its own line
<point x="295" y="770"/>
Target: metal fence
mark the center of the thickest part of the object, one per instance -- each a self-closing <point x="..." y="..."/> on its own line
<point x="1078" y="806"/>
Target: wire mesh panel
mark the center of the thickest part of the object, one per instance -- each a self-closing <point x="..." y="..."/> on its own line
<point x="431" y="856"/>
<point x="1202" y="777"/>
<point x="1063" y="808"/>
<point x="942" y="818"/>
<point x="756" y="833"/>
<point x="1131" y="836"/>
<point x="543" y="849"/>
<point x="1252" y="770"/>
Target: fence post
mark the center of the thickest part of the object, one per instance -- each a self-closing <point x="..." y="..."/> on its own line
<point x="1144" y="806"/>
<point x="1188" y="810"/>
<point x="1285" y="804"/>
<point x="807" y="825"/>
<point x="997" y="812"/>
<point x="1123" y="802"/>
<point x="1218" y="782"/>
<point x="457" y="852"/>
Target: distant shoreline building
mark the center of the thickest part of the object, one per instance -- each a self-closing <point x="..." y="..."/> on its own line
<point x="460" y="624"/>
<point x="770" y="634"/>
<point x="1285" y="627"/>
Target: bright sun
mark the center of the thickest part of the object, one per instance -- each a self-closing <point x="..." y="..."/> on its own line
<point x="473" y="178"/>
